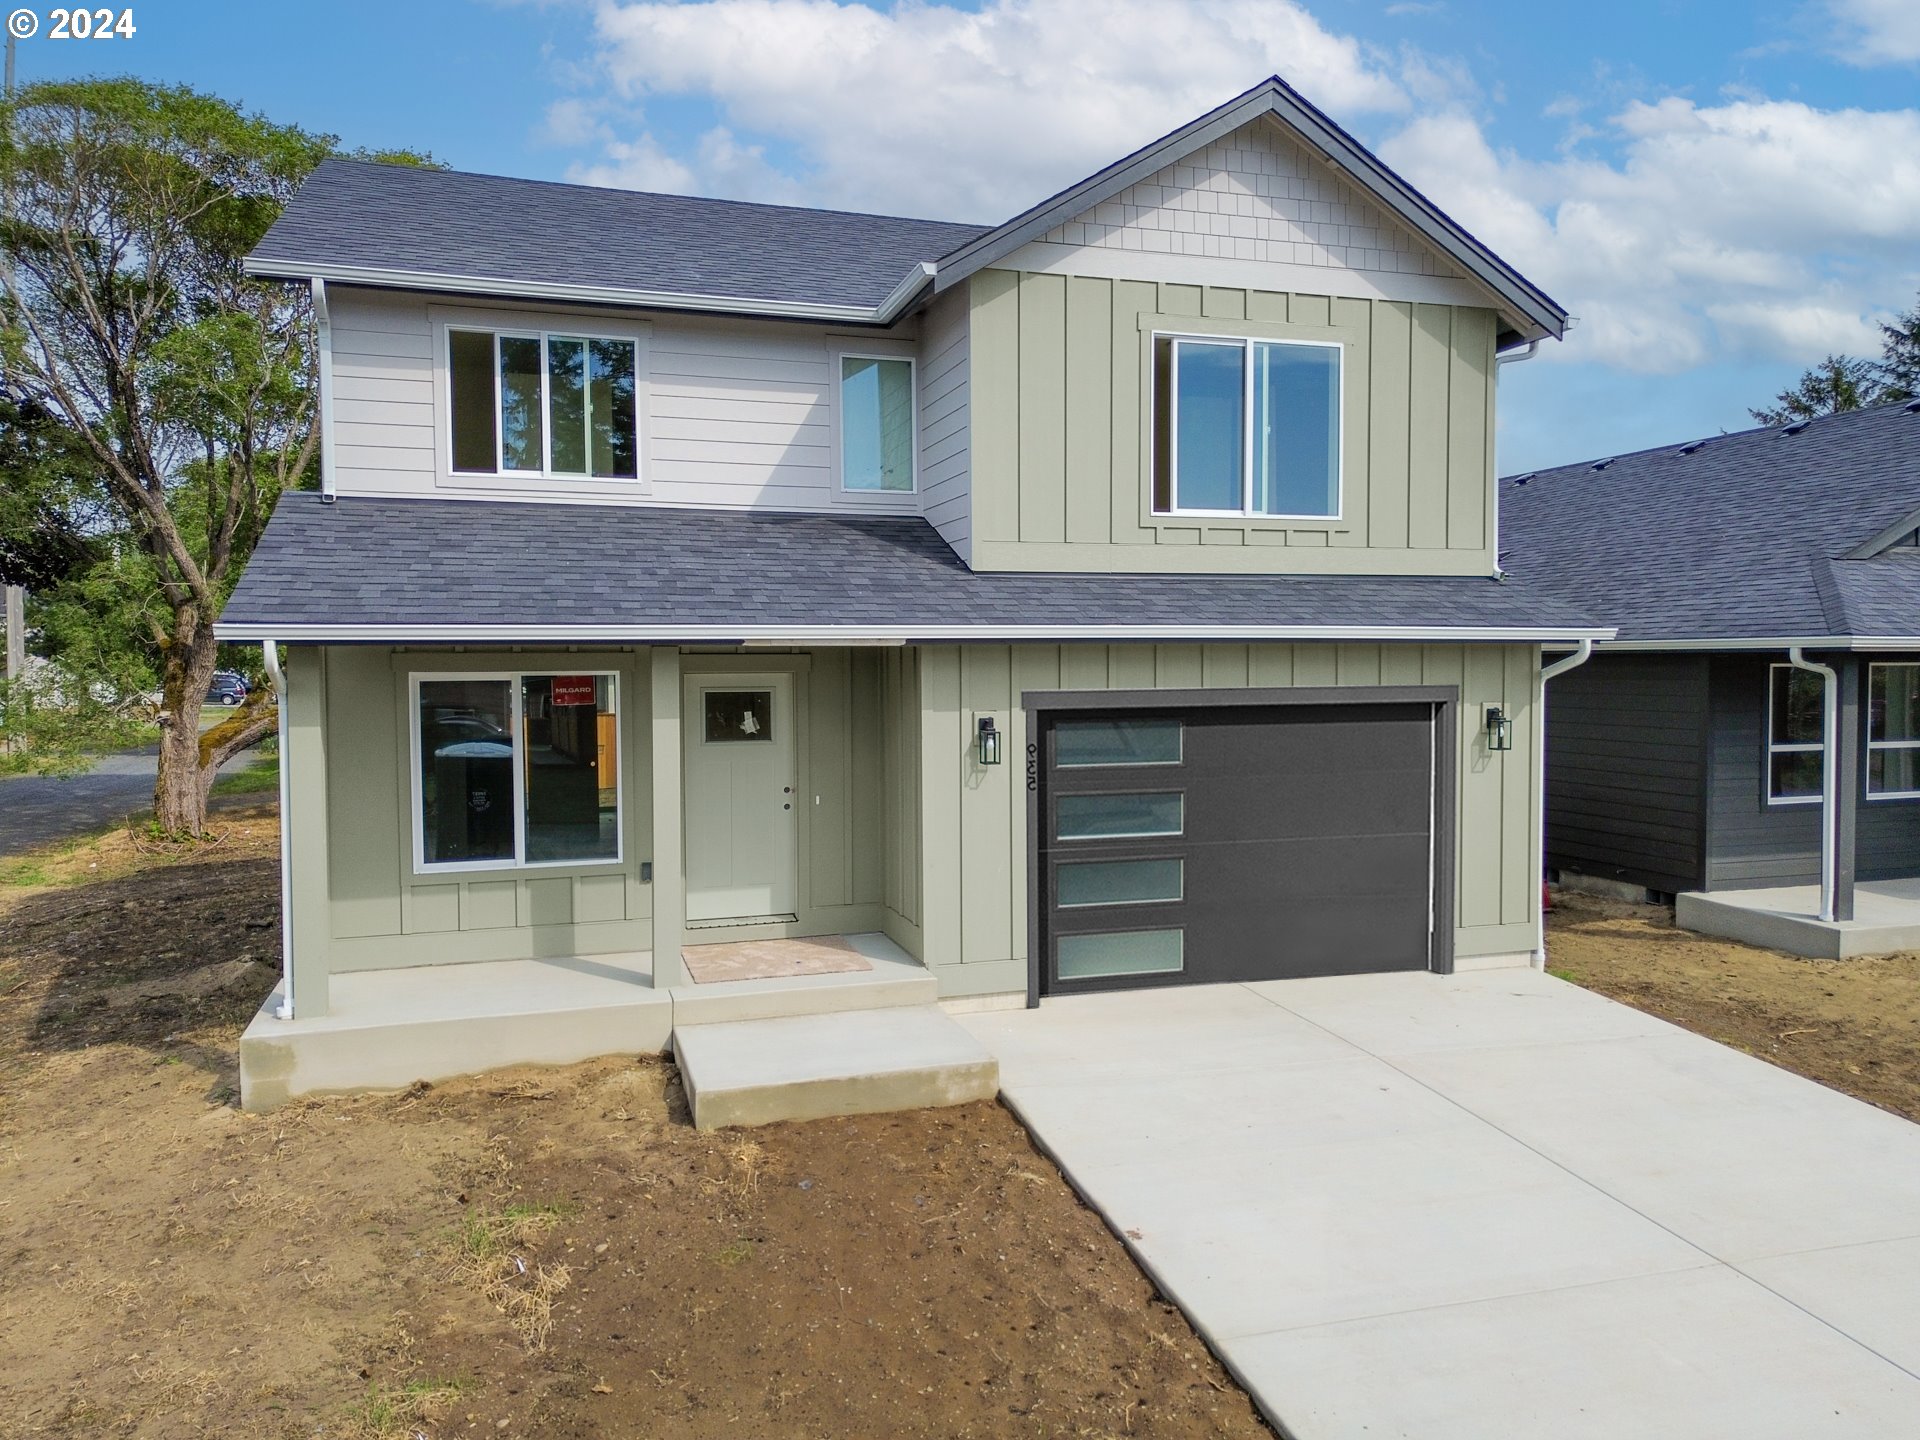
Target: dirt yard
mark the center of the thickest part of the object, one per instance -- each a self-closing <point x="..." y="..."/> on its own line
<point x="1850" y="1024"/>
<point x="540" y="1253"/>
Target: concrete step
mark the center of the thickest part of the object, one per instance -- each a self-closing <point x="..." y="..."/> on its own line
<point x="808" y="1067"/>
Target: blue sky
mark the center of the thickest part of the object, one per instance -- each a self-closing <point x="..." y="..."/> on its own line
<point x="1720" y="192"/>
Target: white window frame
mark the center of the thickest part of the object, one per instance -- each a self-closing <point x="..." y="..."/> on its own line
<point x="515" y="681"/>
<point x="1790" y="747"/>
<point x="546" y="471"/>
<point x="1245" y="343"/>
<point x="1886" y="745"/>
<point x="841" y="488"/>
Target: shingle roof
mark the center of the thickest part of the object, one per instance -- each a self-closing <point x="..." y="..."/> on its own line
<point x="362" y="215"/>
<point x="1739" y="538"/>
<point x="380" y="569"/>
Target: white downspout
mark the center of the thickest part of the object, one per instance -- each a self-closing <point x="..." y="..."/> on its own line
<point x="1512" y="357"/>
<point x="1580" y="656"/>
<point x="270" y="652"/>
<point x="323" y="329"/>
<point x="1829" y="772"/>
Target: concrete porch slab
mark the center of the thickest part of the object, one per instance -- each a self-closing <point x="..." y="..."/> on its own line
<point x="806" y="1067"/>
<point x="388" y="1028"/>
<point x="1787" y="917"/>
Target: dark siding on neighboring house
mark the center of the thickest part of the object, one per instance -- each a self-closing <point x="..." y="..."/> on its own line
<point x="1626" y="769"/>
<point x="1750" y="842"/>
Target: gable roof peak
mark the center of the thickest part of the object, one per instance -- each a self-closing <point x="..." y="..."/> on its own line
<point x="1536" y="315"/>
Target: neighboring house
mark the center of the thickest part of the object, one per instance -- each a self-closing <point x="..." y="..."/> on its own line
<point x="1691" y="753"/>
<point x="1103" y="598"/>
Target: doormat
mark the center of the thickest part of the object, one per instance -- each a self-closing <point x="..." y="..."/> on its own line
<point x="772" y="959"/>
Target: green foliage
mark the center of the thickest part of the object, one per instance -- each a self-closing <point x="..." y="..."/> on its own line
<point x="171" y="395"/>
<point x="53" y="722"/>
<point x="1848" y="382"/>
<point x="46" y="472"/>
<point x="1899" y="369"/>
<point x="1836" y="384"/>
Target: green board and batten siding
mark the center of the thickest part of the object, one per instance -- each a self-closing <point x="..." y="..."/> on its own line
<point x="1062" y="430"/>
<point x="911" y="835"/>
<point x="858" y="738"/>
<point x="975" y="833"/>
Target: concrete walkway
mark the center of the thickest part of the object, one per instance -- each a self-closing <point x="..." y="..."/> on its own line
<point x="1487" y="1205"/>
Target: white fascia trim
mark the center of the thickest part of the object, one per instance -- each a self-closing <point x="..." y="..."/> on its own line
<point x="878" y="634"/>
<point x="882" y="314"/>
<point x="1779" y="642"/>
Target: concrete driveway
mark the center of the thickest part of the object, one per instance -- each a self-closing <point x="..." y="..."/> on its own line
<point x="1488" y="1205"/>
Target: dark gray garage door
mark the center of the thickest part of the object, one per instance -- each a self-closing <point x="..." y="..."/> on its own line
<point x="1235" y="843"/>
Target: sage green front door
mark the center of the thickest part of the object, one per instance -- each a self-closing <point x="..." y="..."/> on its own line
<point x="741" y="809"/>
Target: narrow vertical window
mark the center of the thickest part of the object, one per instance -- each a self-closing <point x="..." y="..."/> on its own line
<point x="1296" y="429"/>
<point x="1796" y="734"/>
<point x="876" y="424"/>
<point x="521" y="445"/>
<point x="572" y="759"/>
<point x="1209" y="425"/>
<point x="1893" y="730"/>
<point x="614" y="433"/>
<point x="476" y="444"/>
<point x="466" y="771"/>
<point x="567" y="404"/>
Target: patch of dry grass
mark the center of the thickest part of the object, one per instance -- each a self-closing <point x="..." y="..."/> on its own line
<point x="492" y="1254"/>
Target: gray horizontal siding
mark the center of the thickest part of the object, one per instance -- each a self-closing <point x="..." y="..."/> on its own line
<point x="1626" y="758"/>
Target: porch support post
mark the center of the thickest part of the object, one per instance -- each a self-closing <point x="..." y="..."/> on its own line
<point x="669" y="862"/>
<point x="1846" y="810"/>
<point x="309" y="887"/>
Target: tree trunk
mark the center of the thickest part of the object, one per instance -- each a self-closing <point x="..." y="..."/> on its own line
<point x="181" y="787"/>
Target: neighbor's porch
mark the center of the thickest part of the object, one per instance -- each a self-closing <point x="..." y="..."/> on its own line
<point x="1886" y="918"/>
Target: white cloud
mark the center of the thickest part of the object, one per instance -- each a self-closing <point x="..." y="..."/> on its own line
<point x="1682" y="234"/>
<point x="932" y="110"/>
<point x="1877" y="32"/>
<point x="1754" y="229"/>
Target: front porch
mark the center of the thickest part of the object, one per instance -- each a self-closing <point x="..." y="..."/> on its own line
<point x="386" y="1029"/>
<point x="1886" y="918"/>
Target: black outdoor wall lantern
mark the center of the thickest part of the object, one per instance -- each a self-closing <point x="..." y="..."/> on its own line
<point x="989" y="741"/>
<point x="1499" y="729"/>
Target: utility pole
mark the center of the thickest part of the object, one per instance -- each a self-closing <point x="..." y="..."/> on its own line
<point x="16" y="597"/>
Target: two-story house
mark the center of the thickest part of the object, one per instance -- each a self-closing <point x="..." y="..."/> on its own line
<point x="1104" y="598"/>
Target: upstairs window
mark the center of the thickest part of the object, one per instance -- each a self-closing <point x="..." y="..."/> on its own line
<point x="1246" y="428"/>
<point x="1796" y="733"/>
<point x="543" y="404"/>
<point x="876" y="424"/>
